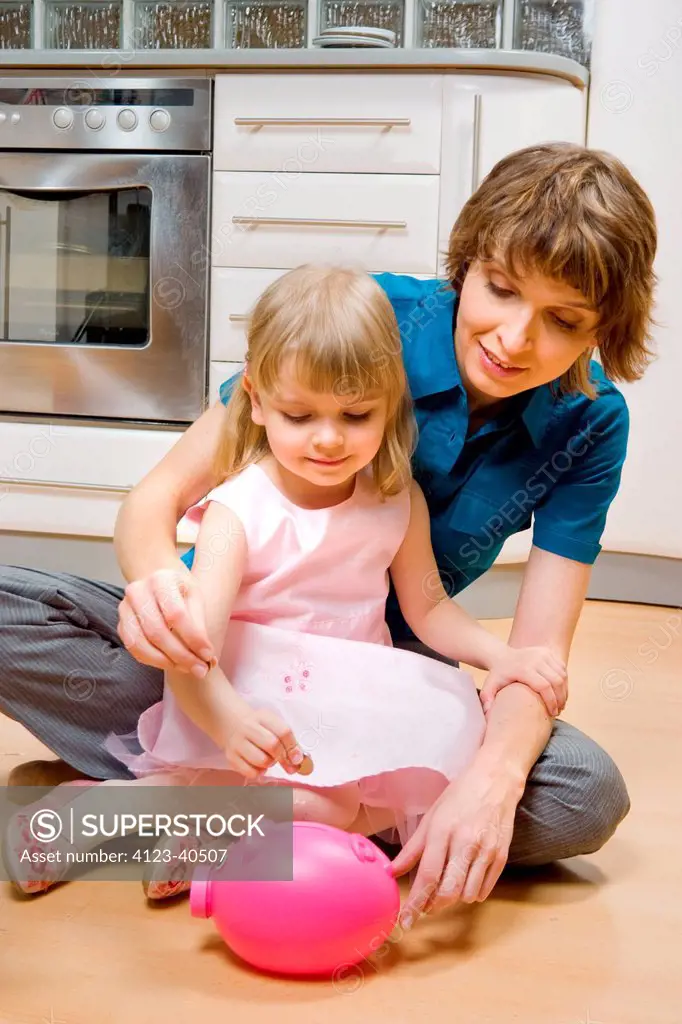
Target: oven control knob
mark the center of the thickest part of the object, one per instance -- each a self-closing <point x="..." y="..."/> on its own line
<point x="3" y="116"/>
<point x="94" y="119"/>
<point x="62" y="117"/>
<point x="127" y="119"/>
<point x="159" y="120"/>
<point x="15" y="118"/>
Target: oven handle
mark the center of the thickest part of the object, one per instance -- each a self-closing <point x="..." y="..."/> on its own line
<point x="65" y="485"/>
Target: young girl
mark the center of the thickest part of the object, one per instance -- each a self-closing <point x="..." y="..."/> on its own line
<point x="293" y="556"/>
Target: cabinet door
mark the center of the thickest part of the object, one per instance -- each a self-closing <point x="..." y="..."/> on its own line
<point x="488" y="117"/>
<point x="516" y="112"/>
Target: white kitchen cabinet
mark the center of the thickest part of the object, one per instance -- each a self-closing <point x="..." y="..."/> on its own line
<point x="485" y="118"/>
<point x="219" y="372"/>
<point x="69" y="479"/>
<point x="311" y="124"/>
<point x="377" y="221"/>
<point x="234" y="291"/>
<point x="515" y="112"/>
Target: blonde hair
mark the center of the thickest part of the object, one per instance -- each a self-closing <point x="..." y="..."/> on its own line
<point x="578" y="216"/>
<point x="339" y="328"/>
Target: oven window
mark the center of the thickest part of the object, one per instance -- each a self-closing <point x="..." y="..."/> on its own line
<point x="74" y="266"/>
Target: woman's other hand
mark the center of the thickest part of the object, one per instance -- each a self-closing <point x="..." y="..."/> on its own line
<point x="161" y="621"/>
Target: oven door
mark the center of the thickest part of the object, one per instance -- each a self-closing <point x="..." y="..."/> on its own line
<point x="103" y="285"/>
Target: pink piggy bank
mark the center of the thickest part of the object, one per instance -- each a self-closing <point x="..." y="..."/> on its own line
<point x="341" y="905"/>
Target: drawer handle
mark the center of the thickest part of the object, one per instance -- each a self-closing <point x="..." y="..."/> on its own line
<point x="327" y="122"/>
<point x="64" y="485"/>
<point x="378" y="225"/>
<point x="238" y="318"/>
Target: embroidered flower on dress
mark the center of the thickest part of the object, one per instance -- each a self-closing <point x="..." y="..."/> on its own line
<point x="298" y="677"/>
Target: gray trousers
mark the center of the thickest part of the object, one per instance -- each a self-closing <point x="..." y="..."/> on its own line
<point x="66" y="676"/>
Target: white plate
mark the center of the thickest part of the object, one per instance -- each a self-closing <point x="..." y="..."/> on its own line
<point x="360" y="30"/>
<point x="351" y="41"/>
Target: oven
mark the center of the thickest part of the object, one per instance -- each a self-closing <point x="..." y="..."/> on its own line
<point x="104" y="222"/>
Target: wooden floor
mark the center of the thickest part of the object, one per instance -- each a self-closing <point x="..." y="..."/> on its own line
<point x="593" y="940"/>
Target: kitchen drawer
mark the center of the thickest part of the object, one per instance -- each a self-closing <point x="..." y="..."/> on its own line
<point x="112" y="459"/>
<point x="59" y="512"/>
<point x="234" y="291"/>
<point x="301" y="123"/>
<point x="377" y="221"/>
<point x="219" y="372"/>
<point x="63" y="479"/>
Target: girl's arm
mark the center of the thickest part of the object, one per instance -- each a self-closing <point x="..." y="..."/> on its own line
<point x="252" y="739"/>
<point x="445" y="627"/>
<point x="435" y="619"/>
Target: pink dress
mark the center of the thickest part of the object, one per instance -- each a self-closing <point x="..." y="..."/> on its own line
<point x="308" y="639"/>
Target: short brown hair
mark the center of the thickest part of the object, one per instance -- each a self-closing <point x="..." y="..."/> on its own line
<point x="578" y="216"/>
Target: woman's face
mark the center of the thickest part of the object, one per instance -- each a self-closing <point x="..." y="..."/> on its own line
<point x="514" y="334"/>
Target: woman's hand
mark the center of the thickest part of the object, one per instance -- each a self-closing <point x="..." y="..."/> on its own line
<point x="161" y="622"/>
<point x="463" y="842"/>
<point x="536" y="667"/>
<point x="255" y="738"/>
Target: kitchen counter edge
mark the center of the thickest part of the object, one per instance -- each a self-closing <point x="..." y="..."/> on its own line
<point x="105" y="63"/>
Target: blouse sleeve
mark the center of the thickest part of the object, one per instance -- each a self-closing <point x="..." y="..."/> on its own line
<point x="569" y="520"/>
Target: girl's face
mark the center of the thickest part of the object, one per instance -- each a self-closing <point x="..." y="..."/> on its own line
<point x="323" y="438"/>
<point x="515" y="334"/>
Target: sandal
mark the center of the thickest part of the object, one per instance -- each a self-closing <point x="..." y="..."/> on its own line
<point x="170" y="872"/>
<point x="33" y="866"/>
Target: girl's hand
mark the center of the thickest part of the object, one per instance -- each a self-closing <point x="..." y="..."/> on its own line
<point x="461" y="843"/>
<point x="161" y="622"/>
<point x="255" y="738"/>
<point x="536" y="667"/>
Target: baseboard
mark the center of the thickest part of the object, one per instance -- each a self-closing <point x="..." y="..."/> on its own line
<point x="83" y="556"/>
<point x="635" y="579"/>
<point x="632" y="579"/>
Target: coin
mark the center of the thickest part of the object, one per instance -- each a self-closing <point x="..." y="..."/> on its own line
<point x="306" y="765"/>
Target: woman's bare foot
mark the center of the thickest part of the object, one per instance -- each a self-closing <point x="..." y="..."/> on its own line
<point x="44" y="773"/>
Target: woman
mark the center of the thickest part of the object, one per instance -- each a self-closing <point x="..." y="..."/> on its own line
<point x="550" y="261"/>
